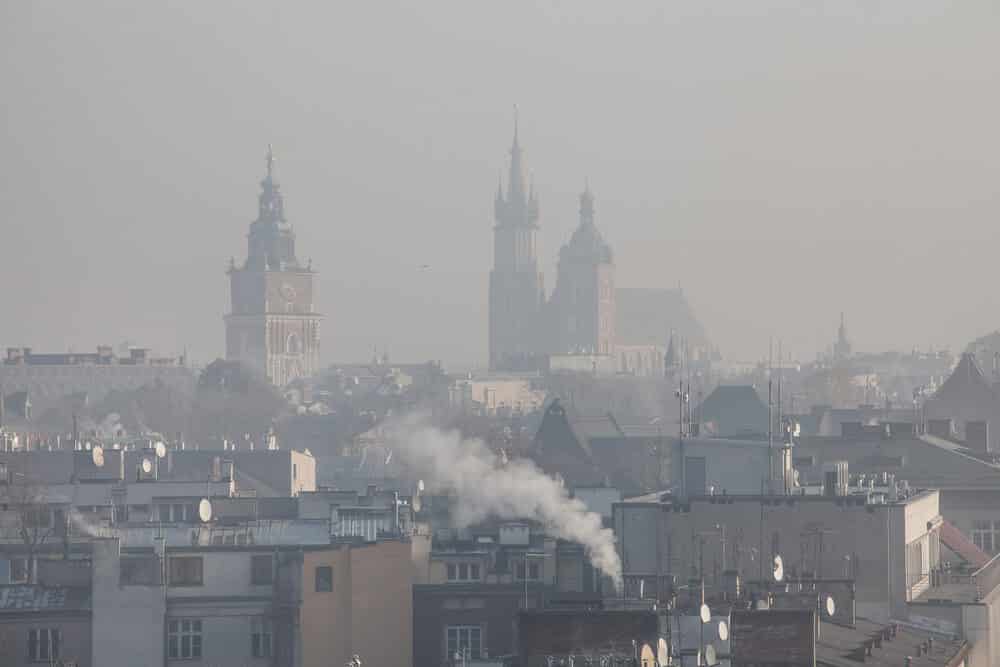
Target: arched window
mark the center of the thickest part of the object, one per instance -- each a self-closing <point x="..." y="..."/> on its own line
<point x="292" y="344"/>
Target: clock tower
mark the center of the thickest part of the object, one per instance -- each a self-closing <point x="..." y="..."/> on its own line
<point x="272" y="326"/>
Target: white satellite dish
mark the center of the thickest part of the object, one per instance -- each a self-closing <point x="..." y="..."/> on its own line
<point x="205" y="510"/>
<point x="706" y="613"/>
<point x="709" y="654"/>
<point x="97" y="456"/>
<point x="147" y="466"/>
<point x="831" y="606"/>
<point x="87" y="446"/>
<point x="723" y="631"/>
<point x="662" y="653"/>
<point x="420" y="486"/>
<point x="161" y="450"/>
<point x="779" y="569"/>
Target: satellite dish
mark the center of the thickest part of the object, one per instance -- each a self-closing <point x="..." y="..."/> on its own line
<point x="831" y="606"/>
<point x="723" y="631"/>
<point x="662" y="653"/>
<point x="87" y="446"/>
<point x="147" y="466"/>
<point x="97" y="456"/>
<point x="706" y="613"/>
<point x="709" y="654"/>
<point x="420" y="486"/>
<point x="416" y="504"/>
<point x="779" y="569"/>
<point x="161" y="450"/>
<point x="205" y="510"/>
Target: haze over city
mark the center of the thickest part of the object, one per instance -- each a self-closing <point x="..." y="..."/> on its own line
<point x="783" y="163"/>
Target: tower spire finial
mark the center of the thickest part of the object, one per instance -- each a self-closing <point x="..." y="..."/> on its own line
<point x="270" y="162"/>
<point x="515" y="125"/>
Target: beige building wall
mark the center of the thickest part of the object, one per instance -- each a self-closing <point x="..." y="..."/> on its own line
<point x="369" y="612"/>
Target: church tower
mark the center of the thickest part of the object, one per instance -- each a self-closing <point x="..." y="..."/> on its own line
<point x="583" y="303"/>
<point x="517" y="287"/>
<point x="272" y="326"/>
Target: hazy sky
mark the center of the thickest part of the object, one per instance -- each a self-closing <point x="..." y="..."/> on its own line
<point x="784" y="161"/>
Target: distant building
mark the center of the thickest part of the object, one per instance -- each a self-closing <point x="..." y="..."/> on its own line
<point x="49" y="377"/>
<point x="517" y="289"/>
<point x="581" y="312"/>
<point x="273" y="326"/>
<point x="966" y="408"/>
<point x="734" y="411"/>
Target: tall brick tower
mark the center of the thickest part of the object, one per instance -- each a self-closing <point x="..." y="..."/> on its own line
<point x="582" y="306"/>
<point x="272" y="325"/>
<point x="517" y="288"/>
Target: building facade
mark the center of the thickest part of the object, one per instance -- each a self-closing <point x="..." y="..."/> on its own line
<point x="273" y="326"/>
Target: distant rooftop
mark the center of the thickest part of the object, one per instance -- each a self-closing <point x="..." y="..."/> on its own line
<point x="104" y="356"/>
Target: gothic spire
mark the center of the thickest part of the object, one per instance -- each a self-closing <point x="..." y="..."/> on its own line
<point x="271" y="205"/>
<point x="586" y="205"/>
<point x="515" y="193"/>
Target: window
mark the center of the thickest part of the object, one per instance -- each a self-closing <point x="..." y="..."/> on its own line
<point x="464" y="640"/>
<point x="324" y="579"/>
<point x="185" y="571"/>
<point x="462" y="571"/>
<point x="176" y="513"/>
<point x="18" y="570"/>
<point x="139" y="571"/>
<point x="983" y="536"/>
<point x="260" y="637"/>
<point x="43" y="644"/>
<point x="184" y="638"/>
<point x="533" y="571"/>
<point x="261" y="570"/>
<point x="38" y="517"/>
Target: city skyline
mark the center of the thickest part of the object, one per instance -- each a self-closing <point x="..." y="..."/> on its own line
<point x="719" y="176"/>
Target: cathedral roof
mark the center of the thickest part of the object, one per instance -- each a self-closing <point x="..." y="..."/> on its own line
<point x="587" y="242"/>
<point x="647" y="315"/>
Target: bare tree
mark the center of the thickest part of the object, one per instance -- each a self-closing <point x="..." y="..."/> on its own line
<point x="28" y="517"/>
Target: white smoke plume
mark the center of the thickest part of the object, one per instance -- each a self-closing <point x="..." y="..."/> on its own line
<point x="483" y="486"/>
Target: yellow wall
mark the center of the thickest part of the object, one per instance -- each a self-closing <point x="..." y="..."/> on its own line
<point x="369" y="612"/>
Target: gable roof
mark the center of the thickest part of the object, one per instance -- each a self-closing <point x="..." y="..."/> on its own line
<point x="966" y="379"/>
<point x="736" y="410"/>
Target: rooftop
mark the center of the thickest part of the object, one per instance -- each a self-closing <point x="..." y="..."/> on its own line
<point x="839" y="646"/>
